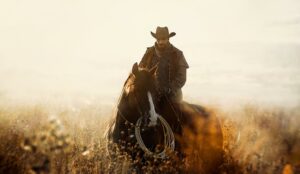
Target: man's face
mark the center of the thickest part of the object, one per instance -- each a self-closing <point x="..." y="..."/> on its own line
<point x="162" y="42"/>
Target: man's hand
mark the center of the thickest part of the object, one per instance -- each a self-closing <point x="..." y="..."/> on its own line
<point x="169" y="91"/>
<point x="166" y="91"/>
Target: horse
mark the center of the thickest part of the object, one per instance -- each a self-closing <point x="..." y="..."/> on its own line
<point x="148" y="123"/>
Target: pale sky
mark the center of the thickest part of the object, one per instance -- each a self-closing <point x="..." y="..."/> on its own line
<point x="238" y="50"/>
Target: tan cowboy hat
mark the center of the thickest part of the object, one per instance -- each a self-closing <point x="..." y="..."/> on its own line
<point x="162" y="33"/>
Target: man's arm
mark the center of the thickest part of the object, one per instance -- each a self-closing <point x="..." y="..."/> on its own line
<point x="180" y="79"/>
<point x="144" y="63"/>
<point x="180" y="76"/>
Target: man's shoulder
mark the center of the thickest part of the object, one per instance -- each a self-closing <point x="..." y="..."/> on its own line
<point x="149" y="51"/>
<point x="176" y="50"/>
<point x="182" y="60"/>
<point x="151" y="48"/>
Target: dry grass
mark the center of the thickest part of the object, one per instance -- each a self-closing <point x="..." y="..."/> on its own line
<point x="34" y="140"/>
<point x="262" y="140"/>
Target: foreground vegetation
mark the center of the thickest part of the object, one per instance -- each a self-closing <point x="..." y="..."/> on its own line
<point x="43" y="139"/>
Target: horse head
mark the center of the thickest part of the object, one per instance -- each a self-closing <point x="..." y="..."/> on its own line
<point x="140" y="92"/>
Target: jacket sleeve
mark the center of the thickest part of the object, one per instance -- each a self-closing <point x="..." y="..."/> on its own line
<point x="145" y="59"/>
<point x="180" y="77"/>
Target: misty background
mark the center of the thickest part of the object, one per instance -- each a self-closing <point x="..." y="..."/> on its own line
<point x="66" y="51"/>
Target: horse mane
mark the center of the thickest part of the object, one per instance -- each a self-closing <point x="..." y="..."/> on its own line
<point x="128" y="84"/>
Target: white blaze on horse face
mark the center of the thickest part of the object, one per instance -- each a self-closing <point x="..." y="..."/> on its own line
<point x="152" y="113"/>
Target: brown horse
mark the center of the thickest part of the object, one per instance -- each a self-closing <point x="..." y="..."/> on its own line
<point x="198" y="135"/>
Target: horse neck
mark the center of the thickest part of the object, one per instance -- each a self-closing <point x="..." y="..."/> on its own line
<point x="129" y="113"/>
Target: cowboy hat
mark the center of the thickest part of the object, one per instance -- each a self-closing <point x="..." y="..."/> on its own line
<point x="162" y="33"/>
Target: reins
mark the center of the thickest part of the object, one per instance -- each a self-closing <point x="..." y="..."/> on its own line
<point x="173" y="109"/>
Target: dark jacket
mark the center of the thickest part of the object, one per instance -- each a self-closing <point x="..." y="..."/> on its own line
<point x="171" y="69"/>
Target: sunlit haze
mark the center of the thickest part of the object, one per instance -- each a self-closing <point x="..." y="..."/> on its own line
<point x="75" y="50"/>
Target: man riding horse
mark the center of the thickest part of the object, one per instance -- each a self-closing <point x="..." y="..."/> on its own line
<point x="170" y="65"/>
<point x="152" y="119"/>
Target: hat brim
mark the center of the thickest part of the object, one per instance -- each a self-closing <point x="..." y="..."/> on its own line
<point x="170" y="35"/>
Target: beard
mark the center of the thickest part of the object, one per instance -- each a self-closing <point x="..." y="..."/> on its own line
<point x="162" y="47"/>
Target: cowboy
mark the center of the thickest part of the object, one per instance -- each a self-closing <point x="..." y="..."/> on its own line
<point x="170" y="63"/>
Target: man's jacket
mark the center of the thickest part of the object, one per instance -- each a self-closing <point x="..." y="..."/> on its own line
<point x="171" y="69"/>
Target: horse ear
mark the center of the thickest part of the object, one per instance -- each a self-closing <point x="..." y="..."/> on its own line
<point x="153" y="70"/>
<point x="135" y="68"/>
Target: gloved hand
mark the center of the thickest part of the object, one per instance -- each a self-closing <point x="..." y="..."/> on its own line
<point x="169" y="91"/>
<point x="166" y="91"/>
